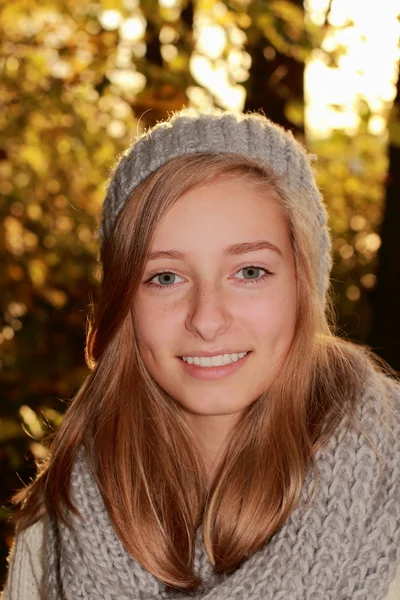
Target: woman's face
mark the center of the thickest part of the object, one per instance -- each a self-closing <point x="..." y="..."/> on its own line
<point x="210" y="300"/>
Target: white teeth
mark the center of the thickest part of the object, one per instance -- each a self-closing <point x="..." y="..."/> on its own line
<point x="213" y="361"/>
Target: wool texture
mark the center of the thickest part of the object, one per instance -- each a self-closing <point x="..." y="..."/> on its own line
<point x="344" y="544"/>
<point x="190" y="131"/>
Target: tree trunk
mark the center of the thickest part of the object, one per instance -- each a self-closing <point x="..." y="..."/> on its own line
<point x="275" y="79"/>
<point x="384" y="337"/>
<point x="165" y="90"/>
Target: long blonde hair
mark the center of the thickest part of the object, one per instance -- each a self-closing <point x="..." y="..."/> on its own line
<point x="139" y="445"/>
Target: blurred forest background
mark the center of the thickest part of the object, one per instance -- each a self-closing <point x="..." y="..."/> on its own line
<point x="79" y="79"/>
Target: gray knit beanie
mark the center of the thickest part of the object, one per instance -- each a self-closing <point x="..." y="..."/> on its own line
<point x="189" y="131"/>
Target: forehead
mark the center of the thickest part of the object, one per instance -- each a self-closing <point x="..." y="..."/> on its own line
<point x="219" y="214"/>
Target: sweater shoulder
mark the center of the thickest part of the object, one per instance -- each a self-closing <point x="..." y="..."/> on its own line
<point x="392" y="388"/>
<point x="387" y="388"/>
<point x="25" y="565"/>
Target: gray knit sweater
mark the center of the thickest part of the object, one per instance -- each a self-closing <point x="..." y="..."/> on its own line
<point x="346" y="545"/>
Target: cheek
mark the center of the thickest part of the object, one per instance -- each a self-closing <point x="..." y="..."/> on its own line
<point x="156" y="326"/>
<point x="273" y="319"/>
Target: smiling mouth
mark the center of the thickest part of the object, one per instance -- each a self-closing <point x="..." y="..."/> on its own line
<point x="209" y="366"/>
<point x="213" y="372"/>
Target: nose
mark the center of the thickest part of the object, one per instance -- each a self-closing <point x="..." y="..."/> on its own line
<point x="208" y="312"/>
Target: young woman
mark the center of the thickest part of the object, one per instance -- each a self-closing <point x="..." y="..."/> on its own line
<point x="226" y="443"/>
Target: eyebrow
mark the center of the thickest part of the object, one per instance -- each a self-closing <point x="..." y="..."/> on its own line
<point x="234" y="250"/>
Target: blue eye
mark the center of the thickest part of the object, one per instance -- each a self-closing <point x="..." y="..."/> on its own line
<point x="164" y="273"/>
<point x="253" y="268"/>
<point x="244" y="281"/>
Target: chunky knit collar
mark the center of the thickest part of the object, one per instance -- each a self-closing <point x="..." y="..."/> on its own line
<point x="346" y="544"/>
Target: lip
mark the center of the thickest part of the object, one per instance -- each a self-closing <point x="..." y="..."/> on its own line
<point x="216" y="352"/>
<point x="212" y="373"/>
